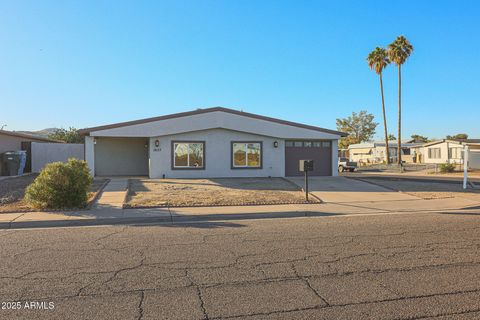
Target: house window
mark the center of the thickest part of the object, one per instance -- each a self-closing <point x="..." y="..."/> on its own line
<point x="188" y="155"/>
<point x="246" y="155"/>
<point x="434" y="153"/>
<point x="455" y="153"/>
<point x="325" y="144"/>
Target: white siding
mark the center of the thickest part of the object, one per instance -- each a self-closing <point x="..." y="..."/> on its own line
<point x="443" y="146"/>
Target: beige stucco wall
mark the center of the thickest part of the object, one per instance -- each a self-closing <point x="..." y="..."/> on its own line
<point x="12" y="143"/>
<point x="361" y="155"/>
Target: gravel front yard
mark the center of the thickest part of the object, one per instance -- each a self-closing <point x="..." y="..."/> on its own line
<point x="426" y="190"/>
<point x="212" y="192"/>
<point x="12" y="191"/>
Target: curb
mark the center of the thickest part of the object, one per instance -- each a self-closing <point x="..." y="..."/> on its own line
<point x="79" y="222"/>
<point x="159" y="220"/>
<point x="242" y="204"/>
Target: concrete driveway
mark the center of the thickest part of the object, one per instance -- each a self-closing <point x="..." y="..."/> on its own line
<point x="345" y="190"/>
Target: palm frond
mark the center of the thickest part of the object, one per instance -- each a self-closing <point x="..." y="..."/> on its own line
<point x="378" y="60"/>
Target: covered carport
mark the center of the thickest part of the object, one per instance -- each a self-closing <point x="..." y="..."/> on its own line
<point x="121" y="156"/>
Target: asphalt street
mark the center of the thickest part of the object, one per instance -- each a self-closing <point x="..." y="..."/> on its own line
<point x="403" y="266"/>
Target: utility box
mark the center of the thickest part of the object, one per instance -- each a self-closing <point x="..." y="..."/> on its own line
<point x="305" y="165"/>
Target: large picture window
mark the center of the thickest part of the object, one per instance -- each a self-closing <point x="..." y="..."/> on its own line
<point x="246" y="155"/>
<point x="188" y="155"/>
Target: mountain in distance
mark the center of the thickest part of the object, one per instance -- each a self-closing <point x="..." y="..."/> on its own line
<point x="40" y="133"/>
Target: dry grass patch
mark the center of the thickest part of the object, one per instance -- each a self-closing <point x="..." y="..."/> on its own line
<point x="426" y="190"/>
<point x="12" y="192"/>
<point x="212" y="192"/>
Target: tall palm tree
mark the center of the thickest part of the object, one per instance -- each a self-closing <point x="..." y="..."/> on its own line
<point x="378" y="60"/>
<point x="398" y="52"/>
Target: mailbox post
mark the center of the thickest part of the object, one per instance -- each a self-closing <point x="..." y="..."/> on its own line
<point x="305" y="166"/>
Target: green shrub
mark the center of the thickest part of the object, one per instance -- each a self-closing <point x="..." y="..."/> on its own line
<point x="60" y="185"/>
<point x="447" y="167"/>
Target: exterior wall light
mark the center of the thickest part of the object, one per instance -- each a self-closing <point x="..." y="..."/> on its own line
<point x="275" y="144"/>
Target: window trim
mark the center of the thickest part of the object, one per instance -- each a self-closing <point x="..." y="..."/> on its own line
<point x="246" y="167"/>
<point x="431" y="153"/>
<point x="172" y="158"/>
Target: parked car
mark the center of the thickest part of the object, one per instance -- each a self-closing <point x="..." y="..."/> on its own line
<point x="344" y="164"/>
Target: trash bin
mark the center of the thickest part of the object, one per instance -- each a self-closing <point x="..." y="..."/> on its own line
<point x="11" y="163"/>
<point x="23" y="161"/>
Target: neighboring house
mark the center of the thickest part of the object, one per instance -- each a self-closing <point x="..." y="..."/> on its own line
<point x="14" y="141"/>
<point x="206" y="143"/>
<point x="446" y="151"/>
<point x="375" y="152"/>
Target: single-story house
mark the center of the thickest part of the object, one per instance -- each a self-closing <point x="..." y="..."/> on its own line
<point x="15" y="141"/>
<point x="208" y="143"/>
<point x="445" y="151"/>
<point x="375" y="152"/>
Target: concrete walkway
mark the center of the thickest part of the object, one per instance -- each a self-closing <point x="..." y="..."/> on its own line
<point x="113" y="194"/>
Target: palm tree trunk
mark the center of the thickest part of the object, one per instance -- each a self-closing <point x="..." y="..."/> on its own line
<point x="399" y="138"/>
<point x="385" y="122"/>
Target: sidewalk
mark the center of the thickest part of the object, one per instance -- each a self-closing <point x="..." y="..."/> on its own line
<point x="115" y="216"/>
<point x="343" y="197"/>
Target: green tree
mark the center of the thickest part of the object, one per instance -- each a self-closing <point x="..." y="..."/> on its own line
<point x="419" y="138"/>
<point x="391" y="137"/>
<point x="378" y="61"/>
<point x="398" y="52"/>
<point x="69" y="136"/>
<point x="360" y="127"/>
<point x="458" y="136"/>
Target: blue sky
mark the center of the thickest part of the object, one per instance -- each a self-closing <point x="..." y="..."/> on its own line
<point x="86" y="63"/>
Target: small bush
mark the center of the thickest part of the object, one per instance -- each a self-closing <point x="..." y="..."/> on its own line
<point x="447" y="167"/>
<point x="60" y="185"/>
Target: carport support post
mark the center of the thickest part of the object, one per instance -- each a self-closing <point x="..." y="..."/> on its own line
<point x="306" y="185"/>
<point x="465" y="167"/>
